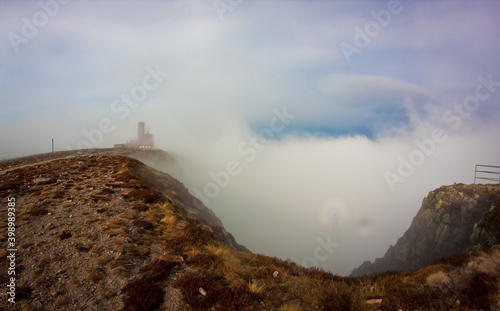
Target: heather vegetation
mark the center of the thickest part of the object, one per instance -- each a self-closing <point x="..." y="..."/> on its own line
<point x="129" y="242"/>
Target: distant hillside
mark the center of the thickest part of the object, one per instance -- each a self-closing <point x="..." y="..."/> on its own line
<point x="96" y="230"/>
<point x="452" y="220"/>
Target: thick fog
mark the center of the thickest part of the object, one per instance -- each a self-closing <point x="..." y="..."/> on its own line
<point x="313" y="129"/>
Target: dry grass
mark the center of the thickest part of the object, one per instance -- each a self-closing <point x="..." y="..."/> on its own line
<point x="231" y="280"/>
<point x="106" y="191"/>
<point x="124" y="175"/>
<point x="206" y="262"/>
<point x="155" y="212"/>
<point x="481" y="292"/>
<point x="142" y="295"/>
<point x="59" y="194"/>
<point x="290" y="307"/>
<point x="114" y="224"/>
<point x="124" y="232"/>
<point x="220" y="295"/>
<point x="140" y="207"/>
<point x="143" y="224"/>
<point x="135" y="250"/>
<point x="256" y="286"/>
<point x="189" y="237"/>
<point x="33" y="210"/>
<point x="158" y="270"/>
<point x="101" y="261"/>
<point x="61" y="302"/>
<point x="100" y="198"/>
<point x="127" y="216"/>
<point x="144" y="195"/>
<point x="169" y="220"/>
<point x="39" y="281"/>
<point x="230" y="256"/>
<point x="93" y="275"/>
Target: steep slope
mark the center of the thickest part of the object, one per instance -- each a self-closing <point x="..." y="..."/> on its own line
<point x="452" y="220"/>
<point x="95" y="230"/>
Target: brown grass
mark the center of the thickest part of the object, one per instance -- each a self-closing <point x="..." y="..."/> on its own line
<point x="481" y="292"/>
<point x="106" y="191"/>
<point x="128" y="216"/>
<point x="93" y="275"/>
<point x="256" y="286"/>
<point x="205" y="262"/>
<point x="169" y="220"/>
<point x="39" y="281"/>
<point x="135" y="251"/>
<point x="61" y="302"/>
<point x="59" y="194"/>
<point x="142" y="295"/>
<point x="219" y="295"/>
<point x="98" y="198"/>
<point x="140" y="207"/>
<point x="114" y="224"/>
<point x="33" y="210"/>
<point x="124" y="175"/>
<point x="158" y="270"/>
<point x="190" y="236"/>
<point x="144" y="195"/>
<point x="143" y="224"/>
<point x="290" y="307"/>
<point x="23" y="292"/>
<point x="101" y="261"/>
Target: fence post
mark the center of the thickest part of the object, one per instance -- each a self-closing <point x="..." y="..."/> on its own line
<point x="475" y="174"/>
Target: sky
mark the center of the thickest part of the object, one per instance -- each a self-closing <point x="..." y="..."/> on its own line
<point x="313" y="129"/>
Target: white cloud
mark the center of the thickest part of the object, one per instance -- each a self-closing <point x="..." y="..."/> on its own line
<point x="227" y="77"/>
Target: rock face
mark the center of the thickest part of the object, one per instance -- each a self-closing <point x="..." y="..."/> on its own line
<point x="452" y="220"/>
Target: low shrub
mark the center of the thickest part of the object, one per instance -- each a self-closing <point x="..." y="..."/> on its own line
<point x="455" y="260"/>
<point x="97" y="198"/>
<point x="140" y="207"/>
<point x="142" y="295"/>
<point x="135" y="251"/>
<point x="145" y="195"/>
<point x="219" y="294"/>
<point x="106" y="191"/>
<point x="23" y="292"/>
<point x="61" y="302"/>
<point x="343" y="301"/>
<point x="59" y="194"/>
<point x="101" y="261"/>
<point x="34" y="210"/>
<point x="143" y="224"/>
<point x="189" y="236"/>
<point x="158" y="270"/>
<point x="206" y="262"/>
<point x="481" y="292"/>
<point x="124" y="175"/>
<point x="93" y="275"/>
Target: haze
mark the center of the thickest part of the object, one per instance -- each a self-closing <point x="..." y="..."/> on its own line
<point x="313" y="129"/>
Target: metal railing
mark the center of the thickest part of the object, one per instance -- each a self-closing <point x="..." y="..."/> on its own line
<point x="487" y="172"/>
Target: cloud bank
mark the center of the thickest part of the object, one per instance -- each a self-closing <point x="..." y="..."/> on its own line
<point x="334" y="183"/>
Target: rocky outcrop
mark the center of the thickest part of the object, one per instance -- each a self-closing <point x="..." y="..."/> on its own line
<point x="95" y="230"/>
<point x="452" y="220"/>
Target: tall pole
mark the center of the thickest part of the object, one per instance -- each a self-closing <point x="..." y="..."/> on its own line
<point x="52" y="145"/>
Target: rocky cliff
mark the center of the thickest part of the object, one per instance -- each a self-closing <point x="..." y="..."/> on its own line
<point x="452" y="220"/>
<point x="97" y="230"/>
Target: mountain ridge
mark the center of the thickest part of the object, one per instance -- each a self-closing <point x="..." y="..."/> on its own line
<point x="97" y="230"/>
